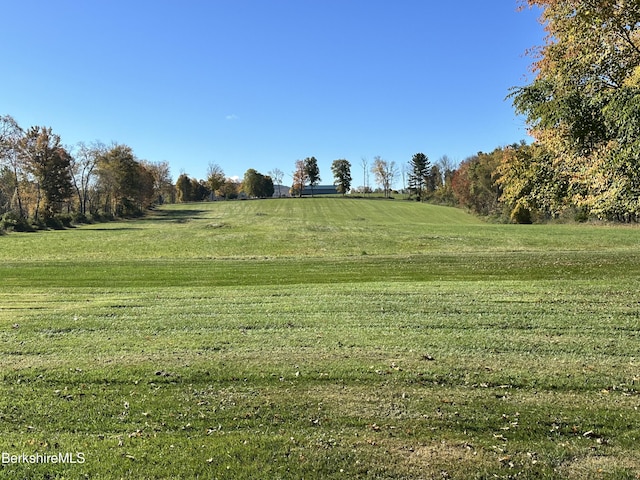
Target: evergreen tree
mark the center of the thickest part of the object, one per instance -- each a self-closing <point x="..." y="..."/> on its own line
<point x="418" y="174"/>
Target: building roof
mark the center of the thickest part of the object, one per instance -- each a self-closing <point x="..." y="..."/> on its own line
<point x="320" y="190"/>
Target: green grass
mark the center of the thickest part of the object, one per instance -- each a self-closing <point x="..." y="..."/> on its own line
<point x="321" y="338"/>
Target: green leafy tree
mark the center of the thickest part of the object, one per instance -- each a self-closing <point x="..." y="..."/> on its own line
<point x="183" y="189"/>
<point x="125" y="184"/>
<point x="256" y="184"/>
<point x="584" y="104"/>
<point x="312" y="172"/>
<point x="251" y="183"/>
<point x="229" y="189"/>
<point x="434" y="180"/>
<point x="163" y="188"/>
<point x="49" y="164"/>
<point x="215" y="177"/>
<point x="474" y="184"/>
<point x="445" y="194"/>
<point x="342" y="174"/>
<point x="201" y="190"/>
<point x="268" y="189"/>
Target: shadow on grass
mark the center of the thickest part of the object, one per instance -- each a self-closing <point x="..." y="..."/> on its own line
<point x="178" y="216"/>
<point x="116" y="229"/>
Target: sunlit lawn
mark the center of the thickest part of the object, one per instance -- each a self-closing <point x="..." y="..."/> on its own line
<point x="321" y="338"/>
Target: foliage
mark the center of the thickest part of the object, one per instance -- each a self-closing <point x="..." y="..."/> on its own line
<point x="341" y="170"/>
<point x="83" y="163"/>
<point x="300" y="178"/>
<point x="163" y="188"/>
<point x="434" y="179"/>
<point x="7" y="189"/>
<point x="229" y="189"/>
<point x="12" y="221"/>
<point x="257" y="185"/>
<point x="126" y="185"/>
<point x="11" y="166"/>
<point x="474" y="183"/>
<point x="312" y="172"/>
<point x="191" y="190"/>
<point x="385" y="173"/>
<point x="584" y="102"/>
<point x="49" y="163"/>
<point x="215" y="178"/>
<point x="183" y="188"/>
<point x="418" y="174"/>
<point x="39" y="178"/>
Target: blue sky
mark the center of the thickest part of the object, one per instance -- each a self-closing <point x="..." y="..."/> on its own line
<point x="262" y="83"/>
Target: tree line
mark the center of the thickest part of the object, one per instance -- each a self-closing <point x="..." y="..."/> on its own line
<point x="44" y="183"/>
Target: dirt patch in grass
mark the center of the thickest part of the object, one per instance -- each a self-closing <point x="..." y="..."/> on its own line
<point x="215" y="225"/>
<point x="439" y="459"/>
<point x="601" y="467"/>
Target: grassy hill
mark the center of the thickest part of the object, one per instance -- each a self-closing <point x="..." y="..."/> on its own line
<point x="283" y="227"/>
<point x="321" y="338"/>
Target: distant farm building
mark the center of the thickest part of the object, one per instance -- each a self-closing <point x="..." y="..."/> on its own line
<point x="320" y="190"/>
<point x="281" y="191"/>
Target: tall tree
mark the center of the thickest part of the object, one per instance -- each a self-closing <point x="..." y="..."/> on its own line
<point x="584" y="104"/>
<point x="229" y="189"/>
<point x="418" y="173"/>
<point x="447" y="167"/>
<point x="256" y="184"/>
<point x="277" y="175"/>
<point x="342" y="174"/>
<point x="434" y="179"/>
<point x="200" y="190"/>
<point x="364" y="162"/>
<point x="84" y="160"/>
<point x="10" y="135"/>
<point x="312" y="171"/>
<point x="215" y="177"/>
<point x="183" y="189"/>
<point x="300" y="178"/>
<point x="251" y="183"/>
<point x="385" y="173"/>
<point x="474" y="183"/>
<point x="447" y="170"/>
<point x="163" y="188"/>
<point x="6" y="189"/>
<point x="49" y="163"/>
<point x="126" y="185"/>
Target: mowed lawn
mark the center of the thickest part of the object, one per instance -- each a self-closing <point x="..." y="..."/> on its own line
<point x="320" y="338"/>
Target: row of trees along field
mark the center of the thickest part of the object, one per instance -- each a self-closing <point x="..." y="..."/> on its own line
<point x="43" y="182"/>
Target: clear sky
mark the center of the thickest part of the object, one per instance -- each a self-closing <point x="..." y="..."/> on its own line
<point x="261" y="83"/>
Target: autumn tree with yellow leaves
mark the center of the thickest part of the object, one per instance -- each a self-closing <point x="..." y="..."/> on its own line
<point x="583" y="108"/>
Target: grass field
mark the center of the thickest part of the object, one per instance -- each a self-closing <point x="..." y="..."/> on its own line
<point x="320" y="338"/>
